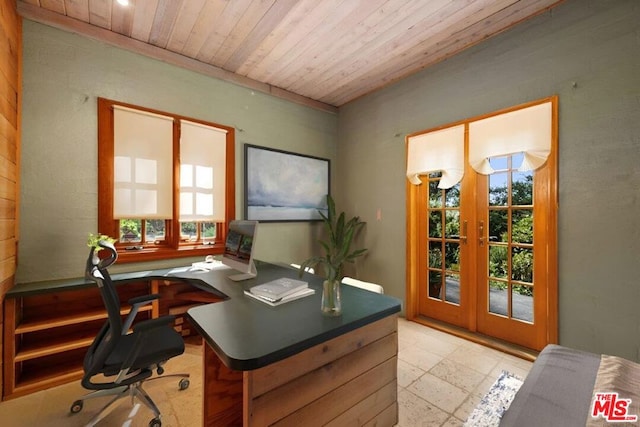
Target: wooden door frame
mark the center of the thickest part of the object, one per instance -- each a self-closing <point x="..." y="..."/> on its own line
<point x="550" y="335"/>
<point x="414" y="228"/>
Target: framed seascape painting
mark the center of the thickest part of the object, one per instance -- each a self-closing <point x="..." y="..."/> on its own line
<point x="283" y="186"/>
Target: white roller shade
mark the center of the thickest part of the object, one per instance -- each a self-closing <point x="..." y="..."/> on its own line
<point x="527" y="131"/>
<point x="202" y="172"/>
<point x="143" y="164"/>
<point x="441" y="150"/>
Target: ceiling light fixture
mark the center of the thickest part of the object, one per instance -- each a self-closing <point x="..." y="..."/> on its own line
<point x="123" y="2"/>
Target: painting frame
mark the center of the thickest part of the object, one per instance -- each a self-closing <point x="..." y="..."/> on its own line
<point x="283" y="186"/>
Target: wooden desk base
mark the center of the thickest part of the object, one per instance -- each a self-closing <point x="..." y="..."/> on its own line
<point x="349" y="380"/>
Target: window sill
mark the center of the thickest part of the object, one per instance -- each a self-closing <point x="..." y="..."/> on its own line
<point x="155" y="254"/>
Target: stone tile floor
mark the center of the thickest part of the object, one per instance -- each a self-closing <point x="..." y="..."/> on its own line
<point x="441" y="378"/>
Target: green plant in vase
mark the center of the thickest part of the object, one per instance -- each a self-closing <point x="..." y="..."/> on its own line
<point x="337" y="252"/>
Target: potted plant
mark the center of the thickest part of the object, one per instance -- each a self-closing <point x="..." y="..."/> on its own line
<point x="337" y="252"/>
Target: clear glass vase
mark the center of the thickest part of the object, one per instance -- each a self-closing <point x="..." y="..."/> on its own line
<point x="331" y="304"/>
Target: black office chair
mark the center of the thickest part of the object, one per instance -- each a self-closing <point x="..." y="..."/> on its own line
<point x="123" y="360"/>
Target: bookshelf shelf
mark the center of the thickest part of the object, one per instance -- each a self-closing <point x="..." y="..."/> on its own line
<point x="47" y="330"/>
<point x="46" y="335"/>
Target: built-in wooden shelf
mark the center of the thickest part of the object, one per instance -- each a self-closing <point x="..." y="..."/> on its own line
<point x="71" y="319"/>
<point x="47" y="334"/>
<point x="48" y="328"/>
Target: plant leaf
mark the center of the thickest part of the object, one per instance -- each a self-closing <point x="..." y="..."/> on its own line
<point x="337" y="248"/>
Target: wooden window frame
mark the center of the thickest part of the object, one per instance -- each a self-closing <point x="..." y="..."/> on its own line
<point x="172" y="247"/>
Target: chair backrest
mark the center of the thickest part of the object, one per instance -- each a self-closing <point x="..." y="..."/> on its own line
<point x="107" y="339"/>
<point x="373" y="287"/>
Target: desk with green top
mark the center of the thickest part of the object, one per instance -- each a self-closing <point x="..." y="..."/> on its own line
<point x="290" y="365"/>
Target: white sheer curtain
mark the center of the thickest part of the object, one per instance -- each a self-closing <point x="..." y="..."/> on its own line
<point x="527" y="130"/>
<point x="441" y="150"/>
<point x="202" y="172"/>
<point x="143" y="164"/>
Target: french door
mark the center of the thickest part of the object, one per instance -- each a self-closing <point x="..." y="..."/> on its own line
<point x="443" y="228"/>
<point x="483" y="256"/>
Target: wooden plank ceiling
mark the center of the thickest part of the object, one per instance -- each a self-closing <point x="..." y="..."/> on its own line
<point x="328" y="51"/>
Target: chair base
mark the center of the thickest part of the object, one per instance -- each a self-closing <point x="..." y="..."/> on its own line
<point x="133" y="390"/>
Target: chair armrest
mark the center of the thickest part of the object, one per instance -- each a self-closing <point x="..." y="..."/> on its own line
<point x="144" y="299"/>
<point x="136" y="303"/>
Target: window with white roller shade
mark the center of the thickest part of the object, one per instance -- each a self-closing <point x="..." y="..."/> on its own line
<point x="166" y="182"/>
<point x="143" y="164"/>
<point x="202" y="172"/>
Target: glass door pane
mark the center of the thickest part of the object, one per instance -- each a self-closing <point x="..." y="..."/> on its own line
<point x="443" y="213"/>
<point x="510" y="240"/>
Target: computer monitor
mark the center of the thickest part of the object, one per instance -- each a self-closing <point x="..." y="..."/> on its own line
<point x="238" y="249"/>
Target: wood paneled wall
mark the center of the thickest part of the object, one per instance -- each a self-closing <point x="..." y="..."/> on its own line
<point x="10" y="63"/>
<point x="10" y="88"/>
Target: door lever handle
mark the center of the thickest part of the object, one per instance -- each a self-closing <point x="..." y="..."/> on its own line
<point x="463" y="236"/>
<point x="481" y="233"/>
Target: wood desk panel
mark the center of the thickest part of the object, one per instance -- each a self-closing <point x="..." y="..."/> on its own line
<point x="350" y="379"/>
<point x="222" y="392"/>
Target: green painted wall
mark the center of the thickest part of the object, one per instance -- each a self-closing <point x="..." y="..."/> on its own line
<point x="587" y="52"/>
<point x="63" y="76"/>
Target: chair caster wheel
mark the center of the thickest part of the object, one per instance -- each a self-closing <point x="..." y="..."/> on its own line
<point x="183" y="384"/>
<point x="76" y="407"/>
<point x="155" y="422"/>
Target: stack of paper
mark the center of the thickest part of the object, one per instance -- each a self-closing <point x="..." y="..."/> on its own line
<point x="280" y="291"/>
